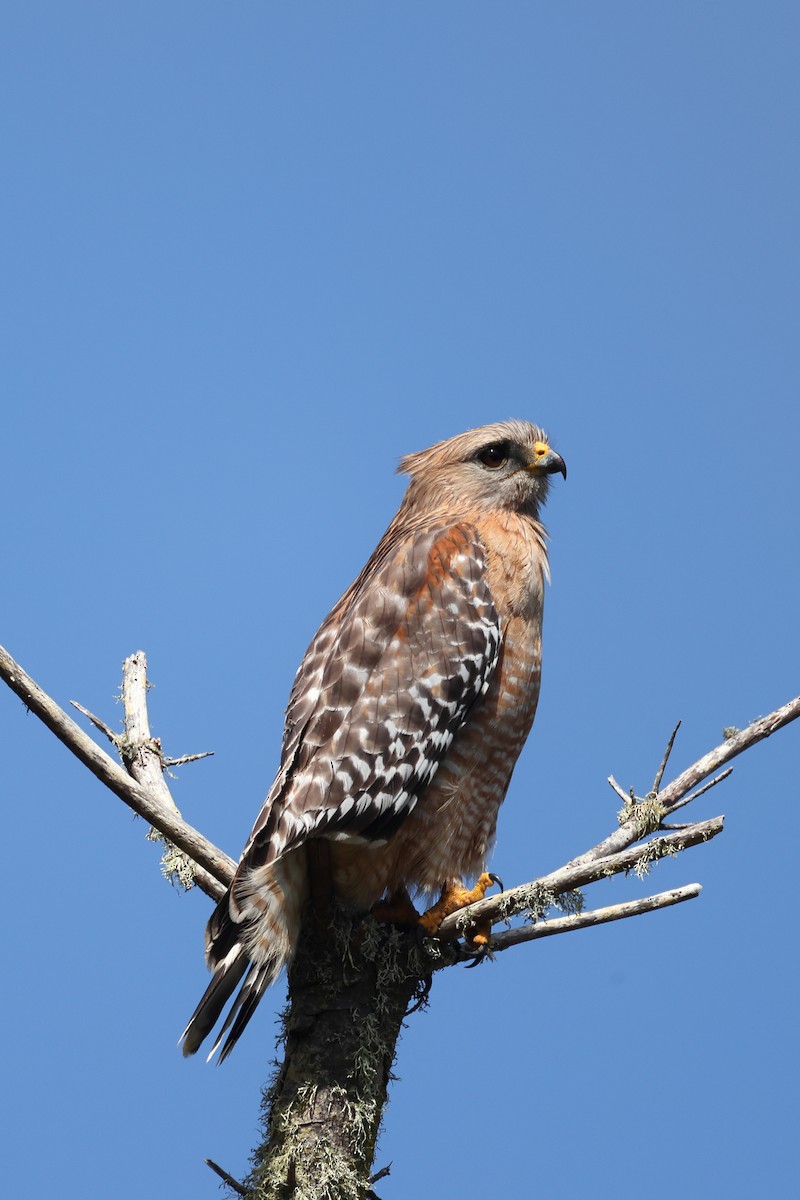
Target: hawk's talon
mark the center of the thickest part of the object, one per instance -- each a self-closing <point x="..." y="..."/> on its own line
<point x="422" y="935"/>
<point x="456" y="896"/>
<point x="496" y="879"/>
<point x="478" y="958"/>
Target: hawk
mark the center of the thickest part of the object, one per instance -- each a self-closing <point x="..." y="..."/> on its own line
<point x="406" y="716"/>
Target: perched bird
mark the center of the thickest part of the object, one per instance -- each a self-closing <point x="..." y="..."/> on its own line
<point x="406" y="716"/>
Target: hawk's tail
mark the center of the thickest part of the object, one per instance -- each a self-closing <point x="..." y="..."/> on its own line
<point x="226" y="977"/>
<point x="251" y="935"/>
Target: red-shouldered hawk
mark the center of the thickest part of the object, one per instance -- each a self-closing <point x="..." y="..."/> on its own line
<point x="407" y="714"/>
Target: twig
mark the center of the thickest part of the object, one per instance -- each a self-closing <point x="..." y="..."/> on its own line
<point x="596" y="916"/>
<point x="623" y="795"/>
<point x="384" y="1171"/>
<point x="114" y="738"/>
<point x="664" y="761"/>
<point x="187" y="758"/>
<point x="185" y="837"/>
<point x="231" y="1182"/>
<point x="705" y="788"/>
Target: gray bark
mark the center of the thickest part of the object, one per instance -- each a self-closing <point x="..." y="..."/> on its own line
<point x="350" y="988"/>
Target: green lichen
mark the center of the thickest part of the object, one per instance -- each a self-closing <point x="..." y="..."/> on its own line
<point x="534" y="900"/>
<point x="646" y="814"/>
<point x="651" y="853"/>
<point x="570" y="903"/>
<point x="176" y="867"/>
<point x="331" y="1175"/>
<point x="321" y="1112"/>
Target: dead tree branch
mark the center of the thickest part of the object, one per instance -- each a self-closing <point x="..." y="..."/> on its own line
<point x="144" y="760"/>
<point x="646" y="815"/>
<point x="536" y="897"/>
<point x="226" y="1178"/>
<point x="218" y="865"/>
<point x="595" y="916"/>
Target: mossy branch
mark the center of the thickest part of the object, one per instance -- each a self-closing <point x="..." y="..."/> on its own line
<point x="536" y="897"/>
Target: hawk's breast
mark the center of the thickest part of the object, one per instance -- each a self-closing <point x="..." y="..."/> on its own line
<point x="450" y="831"/>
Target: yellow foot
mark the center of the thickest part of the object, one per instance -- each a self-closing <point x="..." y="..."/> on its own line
<point x="455" y="896"/>
<point x="397" y="910"/>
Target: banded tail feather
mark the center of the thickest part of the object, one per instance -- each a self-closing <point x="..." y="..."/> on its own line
<point x="250" y="937"/>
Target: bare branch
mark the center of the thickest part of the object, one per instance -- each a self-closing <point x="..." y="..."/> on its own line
<point x="114" y="738"/>
<point x="384" y="1171"/>
<point x="595" y="916"/>
<point x="764" y="727"/>
<point x="624" y="796"/>
<point x="185" y="837"/>
<point x="543" y="892"/>
<point x="141" y="753"/>
<point x="664" y="761"/>
<point x="705" y="788"/>
<point x="187" y="758"/>
<point x="231" y="1182"/>
<point x="673" y="794"/>
<point x="613" y="853"/>
<point x="144" y="760"/>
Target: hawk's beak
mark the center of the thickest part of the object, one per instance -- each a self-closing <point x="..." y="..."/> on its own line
<point x="546" y="461"/>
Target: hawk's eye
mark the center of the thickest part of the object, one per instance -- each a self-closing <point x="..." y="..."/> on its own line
<point x="494" y="455"/>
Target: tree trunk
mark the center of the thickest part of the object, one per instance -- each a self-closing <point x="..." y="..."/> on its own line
<point x="350" y="987"/>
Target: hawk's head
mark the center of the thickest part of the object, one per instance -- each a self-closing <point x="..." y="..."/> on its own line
<point x="506" y="465"/>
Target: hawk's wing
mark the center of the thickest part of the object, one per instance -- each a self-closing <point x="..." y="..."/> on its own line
<point x="384" y="687"/>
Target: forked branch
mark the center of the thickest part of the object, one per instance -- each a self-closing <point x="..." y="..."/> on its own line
<point x="536" y="897"/>
<point x="140" y="798"/>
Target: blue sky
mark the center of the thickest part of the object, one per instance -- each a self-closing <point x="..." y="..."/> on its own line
<point x="254" y="252"/>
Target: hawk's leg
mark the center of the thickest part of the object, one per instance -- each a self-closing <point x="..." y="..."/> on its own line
<point x="455" y="896"/>
<point x="320" y="884"/>
<point x="396" y="910"/>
